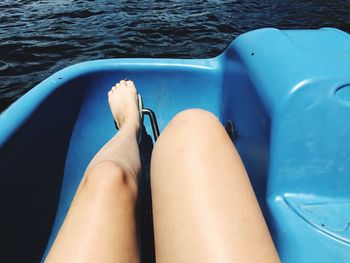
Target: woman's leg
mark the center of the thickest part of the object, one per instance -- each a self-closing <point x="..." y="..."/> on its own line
<point x="204" y="207"/>
<point x="100" y="224"/>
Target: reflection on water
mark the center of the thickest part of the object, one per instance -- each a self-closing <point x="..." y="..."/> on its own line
<point x="40" y="37"/>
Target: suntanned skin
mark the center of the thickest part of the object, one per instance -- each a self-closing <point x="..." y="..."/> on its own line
<point x="100" y="224"/>
<point x="204" y="207"/>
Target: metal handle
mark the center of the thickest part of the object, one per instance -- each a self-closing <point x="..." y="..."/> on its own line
<point x="153" y="120"/>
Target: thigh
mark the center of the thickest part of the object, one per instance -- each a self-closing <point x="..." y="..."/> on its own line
<point x="204" y="208"/>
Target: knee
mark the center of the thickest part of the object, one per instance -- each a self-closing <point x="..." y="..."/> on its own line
<point x="188" y="129"/>
<point x="193" y="119"/>
<point x="107" y="177"/>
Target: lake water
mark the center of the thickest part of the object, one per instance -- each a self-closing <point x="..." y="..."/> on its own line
<point x="40" y="37"/>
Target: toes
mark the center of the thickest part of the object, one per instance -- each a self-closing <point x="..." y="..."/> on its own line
<point x="115" y="87"/>
<point x="122" y="83"/>
<point x="130" y="84"/>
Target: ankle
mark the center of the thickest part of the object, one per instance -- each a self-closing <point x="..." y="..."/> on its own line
<point x="131" y="127"/>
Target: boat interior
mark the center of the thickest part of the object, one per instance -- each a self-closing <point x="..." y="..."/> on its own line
<point x="286" y="94"/>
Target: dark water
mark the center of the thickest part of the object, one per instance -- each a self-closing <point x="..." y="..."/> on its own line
<point x="40" y="37"/>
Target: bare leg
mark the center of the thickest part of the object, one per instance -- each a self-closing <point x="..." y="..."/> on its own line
<point x="204" y="207"/>
<point x="100" y="224"/>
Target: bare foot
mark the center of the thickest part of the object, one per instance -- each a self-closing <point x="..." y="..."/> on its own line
<point x="123" y="102"/>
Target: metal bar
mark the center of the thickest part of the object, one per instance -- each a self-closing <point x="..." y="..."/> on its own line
<point x="153" y="120"/>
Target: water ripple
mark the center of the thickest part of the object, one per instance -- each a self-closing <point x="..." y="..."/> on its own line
<point x="40" y="37"/>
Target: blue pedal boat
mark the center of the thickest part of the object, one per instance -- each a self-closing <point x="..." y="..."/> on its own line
<point x="287" y="93"/>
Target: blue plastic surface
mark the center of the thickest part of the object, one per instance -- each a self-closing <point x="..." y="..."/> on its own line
<point x="287" y="93"/>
